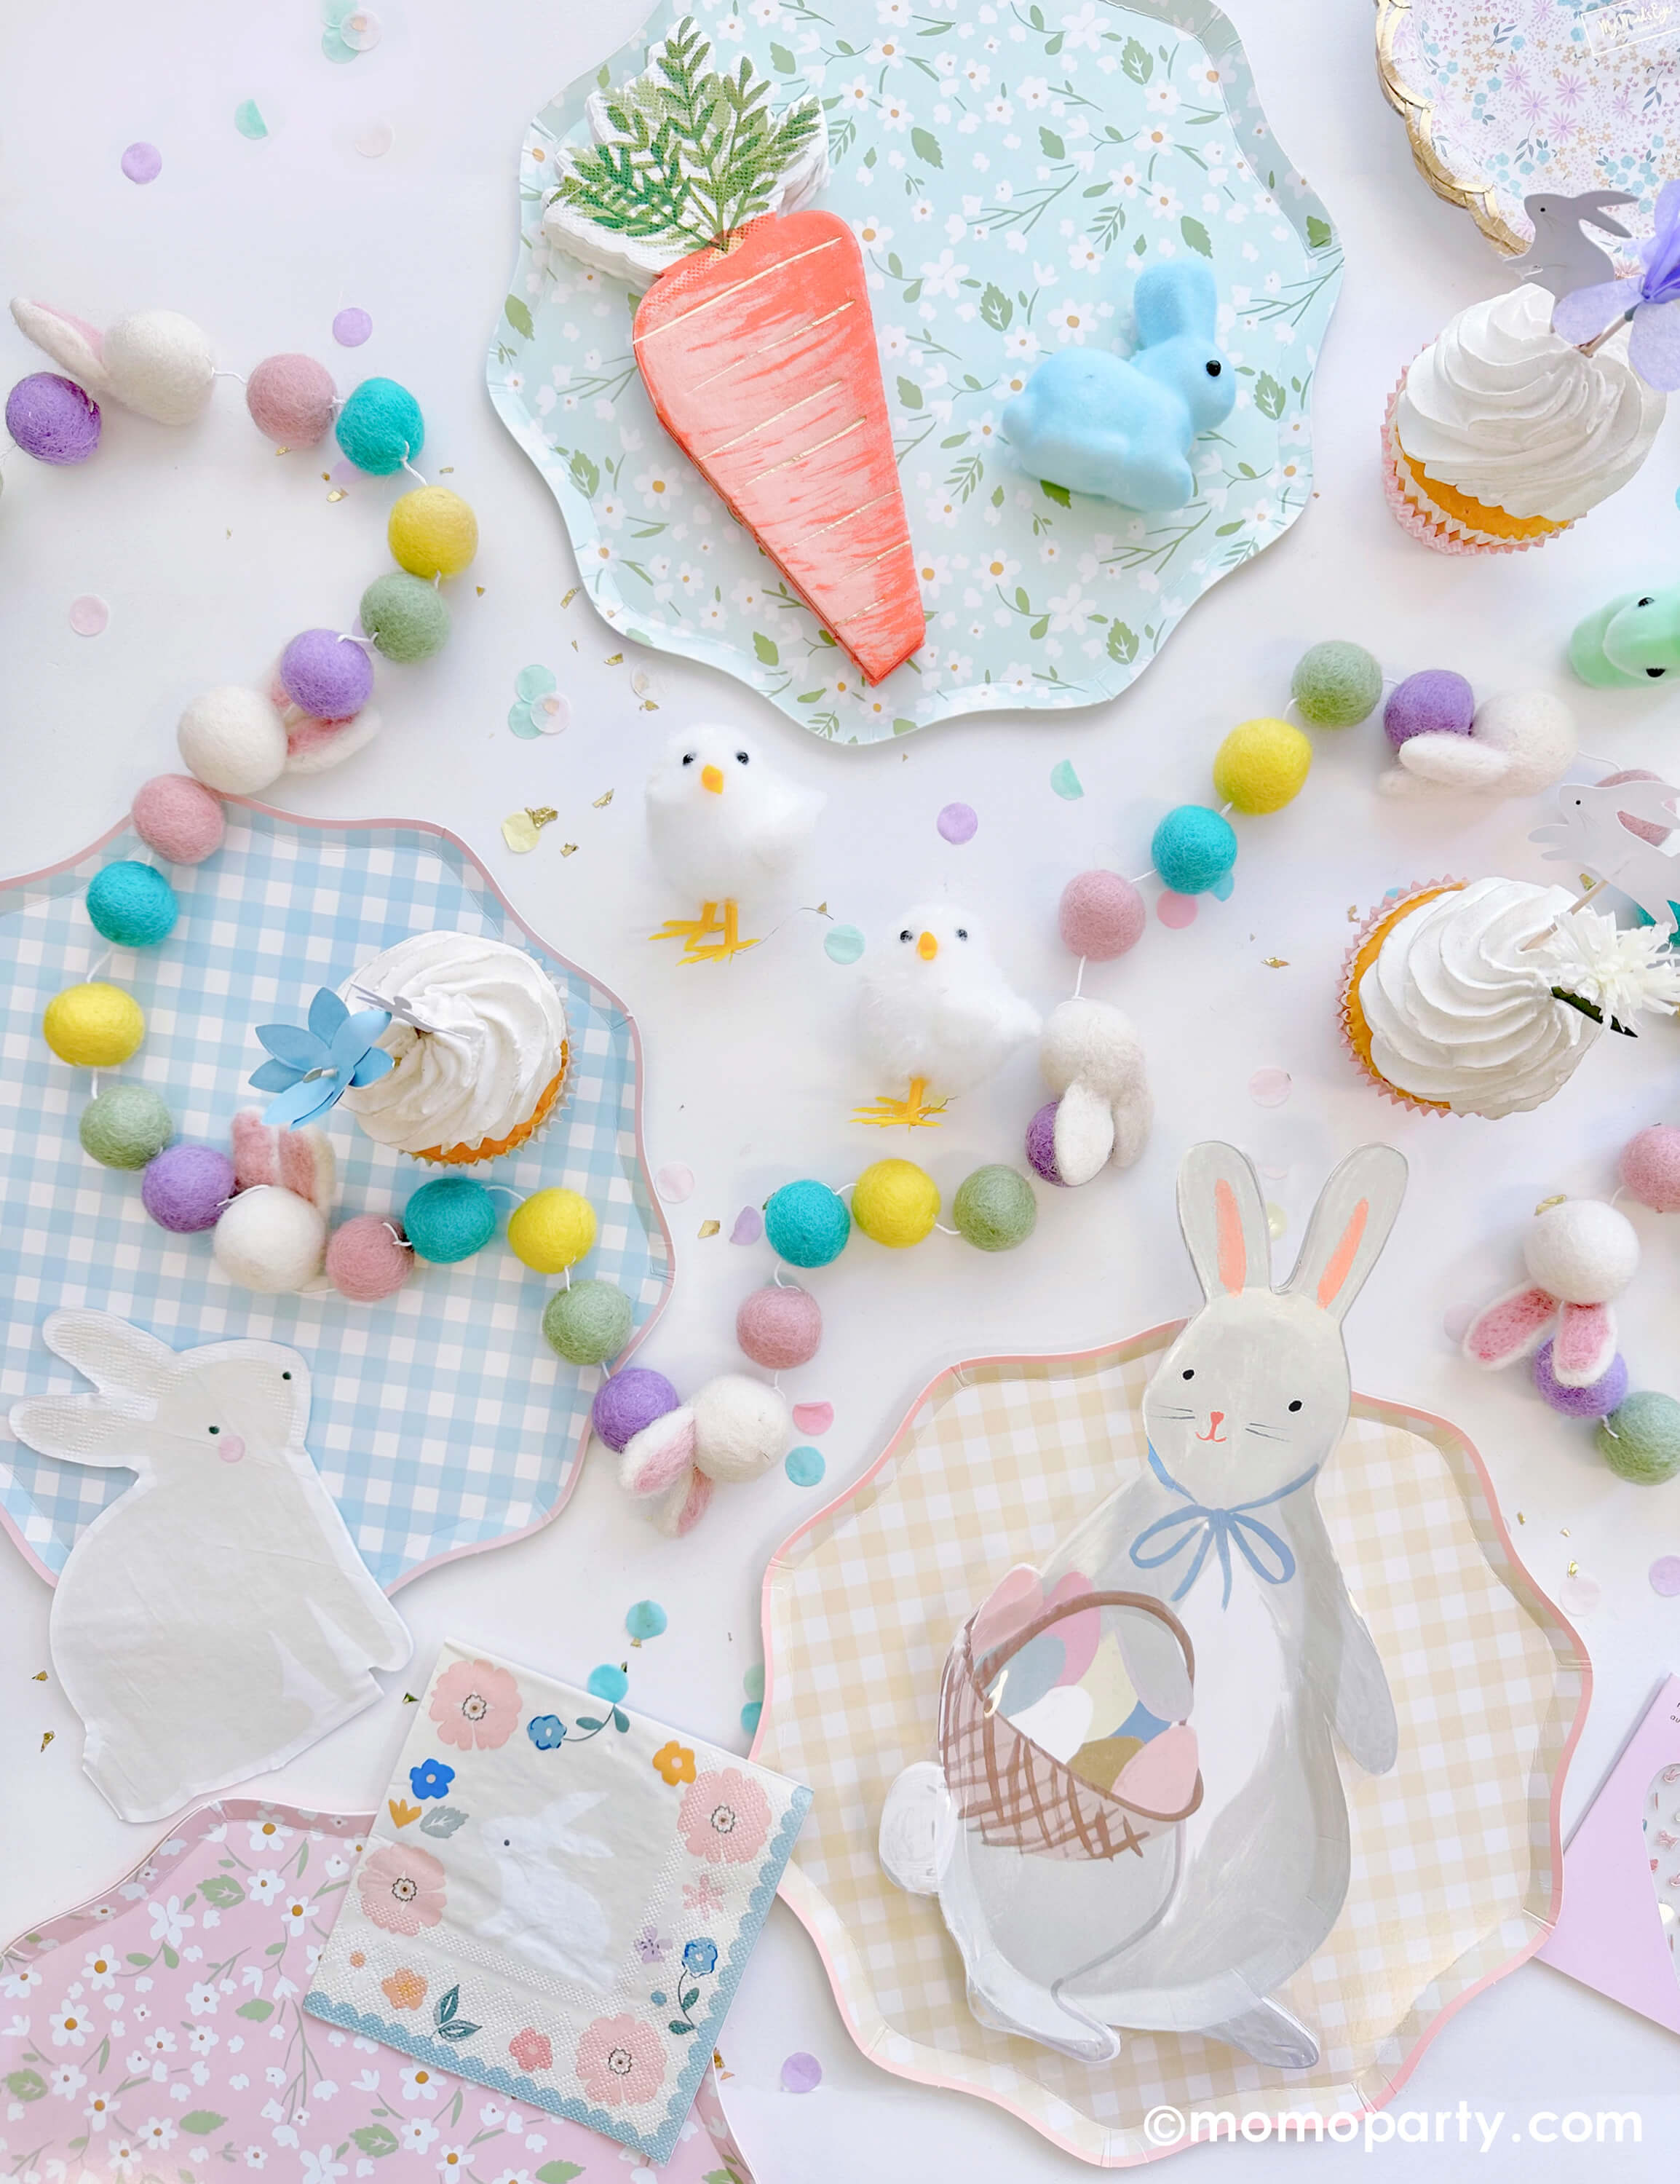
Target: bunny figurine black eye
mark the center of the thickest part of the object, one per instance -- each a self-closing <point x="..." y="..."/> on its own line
<point x="1136" y="1820"/>
<point x="1121" y="427"/>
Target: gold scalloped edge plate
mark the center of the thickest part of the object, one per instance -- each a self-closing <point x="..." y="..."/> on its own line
<point x="1472" y="194"/>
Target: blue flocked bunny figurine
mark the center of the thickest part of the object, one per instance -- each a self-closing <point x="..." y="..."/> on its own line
<point x="1121" y="427"/>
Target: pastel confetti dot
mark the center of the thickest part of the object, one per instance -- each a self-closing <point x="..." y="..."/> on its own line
<point x="1176" y="911"/>
<point x="89" y="615"/>
<point x="750" y="1717"/>
<point x="142" y="162"/>
<point x="813" y="1418"/>
<point x="646" y="1619"/>
<point x="750" y="1226"/>
<point x="1271" y="1088"/>
<point x="1065" y="782"/>
<point x="801" y="2073"/>
<point x="753" y="1683"/>
<point x="1665" y="1569"/>
<point x="519" y="721"/>
<point x="1223" y="887"/>
<point x="843" y="944"/>
<point x="674" y="1183"/>
<point x="804" y="1466"/>
<point x="248" y="119"/>
<point x="552" y="714"/>
<point x="374" y="141"/>
<point x="360" y="30"/>
<point x="607" y="1683"/>
<point x="959" y="823"/>
<point x="1579" y="1595"/>
<point x="352" y="327"/>
<point x="535" y="682"/>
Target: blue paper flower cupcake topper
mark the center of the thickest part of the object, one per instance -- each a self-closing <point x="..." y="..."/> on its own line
<point x="315" y="1065"/>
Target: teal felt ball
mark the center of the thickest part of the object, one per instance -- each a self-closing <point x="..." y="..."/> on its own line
<point x="125" y="1126"/>
<point x="994" y="1209"/>
<point x="1193" y="848"/>
<point x="806" y="1223"/>
<point x="406" y="618"/>
<point x="449" y="1219"/>
<point x="1336" y="685"/>
<point x="380" y="427"/>
<point x="589" y="1322"/>
<point x="131" y="905"/>
<point x="1640" y="1440"/>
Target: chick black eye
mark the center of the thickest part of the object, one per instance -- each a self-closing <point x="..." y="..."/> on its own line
<point x="1214" y="367"/>
<point x="1655" y="672"/>
<point x="1644" y="603"/>
<point x="907" y="934"/>
<point x="1296" y="1405"/>
<point x="962" y="933"/>
<point x="688" y="758"/>
<point x="743" y="758"/>
<point x="285" y="1376"/>
<point x="1190" y="1374"/>
<point x="216" y="1429"/>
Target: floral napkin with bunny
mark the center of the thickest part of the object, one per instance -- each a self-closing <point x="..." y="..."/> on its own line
<point x="560" y="1898"/>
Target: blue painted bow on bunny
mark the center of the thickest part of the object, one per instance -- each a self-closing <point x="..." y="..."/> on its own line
<point x="1271" y="1558"/>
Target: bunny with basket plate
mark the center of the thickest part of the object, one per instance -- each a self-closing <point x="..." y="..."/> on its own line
<point x="1169" y="1868"/>
<point x="215" y="1618"/>
<point x="1121" y="427"/>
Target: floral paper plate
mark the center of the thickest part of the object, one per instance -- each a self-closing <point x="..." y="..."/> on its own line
<point x="1502" y="98"/>
<point x="1008" y="169"/>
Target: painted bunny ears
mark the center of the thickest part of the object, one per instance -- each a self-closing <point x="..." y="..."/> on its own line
<point x="1224" y="1220"/>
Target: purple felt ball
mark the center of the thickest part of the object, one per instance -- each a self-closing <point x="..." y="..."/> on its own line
<point x="328" y="675"/>
<point x="1435" y="702"/>
<point x="1102" y="915"/>
<point x="1596" y="1401"/>
<point x="628" y="1402"/>
<point x="52" y="419"/>
<point x="1041" y="1144"/>
<point x="186" y="1186"/>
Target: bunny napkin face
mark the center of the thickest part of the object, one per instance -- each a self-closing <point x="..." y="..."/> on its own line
<point x="559" y="1899"/>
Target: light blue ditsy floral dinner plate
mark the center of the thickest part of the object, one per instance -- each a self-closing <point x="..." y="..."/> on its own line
<point x="1007" y="169"/>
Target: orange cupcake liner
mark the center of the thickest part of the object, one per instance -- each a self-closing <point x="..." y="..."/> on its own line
<point x="1442" y="518"/>
<point x="493" y="1147"/>
<point x="1360" y="955"/>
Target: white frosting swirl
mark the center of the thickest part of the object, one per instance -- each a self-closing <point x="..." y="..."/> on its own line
<point x="493" y="1031"/>
<point x="1458" y="1012"/>
<point x="1501" y="408"/>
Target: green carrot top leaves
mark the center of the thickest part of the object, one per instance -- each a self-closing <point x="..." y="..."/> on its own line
<point x="683" y="157"/>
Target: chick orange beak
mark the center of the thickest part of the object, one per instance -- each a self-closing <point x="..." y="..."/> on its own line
<point x="927" y="948"/>
<point x="711" y="777"/>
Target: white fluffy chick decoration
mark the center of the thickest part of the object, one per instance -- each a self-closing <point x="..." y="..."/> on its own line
<point x="1520" y="741"/>
<point x="722" y="824"/>
<point x="1092" y="1059"/>
<point x="935" y="1010"/>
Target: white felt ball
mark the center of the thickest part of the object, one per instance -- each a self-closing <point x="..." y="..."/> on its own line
<point x="233" y="739"/>
<point x="160" y="364"/>
<point x="270" y="1240"/>
<point x="741" y="1427"/>
<point x="1535" y="731"/>
<point x="1583" y="1250"/>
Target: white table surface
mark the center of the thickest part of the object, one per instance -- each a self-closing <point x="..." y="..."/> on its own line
<point x="211" y="553"/>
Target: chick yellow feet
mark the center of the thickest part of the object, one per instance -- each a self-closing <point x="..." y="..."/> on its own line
<point x="913" y="1111"/>
<point x="696" y="934"/>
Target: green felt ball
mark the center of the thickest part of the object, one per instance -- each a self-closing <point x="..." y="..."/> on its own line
<point x="126" y="1127"/>
<point x="994" y="1210"/>
<point x="1337" y="684"/>
<point x="449" y="1219"/>
<point x="1640" y="1440"/>
<point x="407" y="619"/>
<point x="589" y="1322"/>
<point x="130" y="905"/>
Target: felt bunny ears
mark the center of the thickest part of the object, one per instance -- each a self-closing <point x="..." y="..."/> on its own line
<point x="1580" y="1254"/>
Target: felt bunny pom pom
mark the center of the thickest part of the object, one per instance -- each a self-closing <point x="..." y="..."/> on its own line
<point x="1580" y="1254"/>
<point x="1121" y="427"/>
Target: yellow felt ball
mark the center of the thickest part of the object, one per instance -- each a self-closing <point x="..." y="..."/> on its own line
<point x="95" y="1025"/>
<point x="1262" y="766"/>
<point x="432" y="533"/>
<point x="552" y="1230"/>
<point x="896" y="1202"/>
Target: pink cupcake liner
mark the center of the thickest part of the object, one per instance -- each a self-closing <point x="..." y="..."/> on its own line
<point x="1384" y="911"/>
<point x="1431" y="526"/>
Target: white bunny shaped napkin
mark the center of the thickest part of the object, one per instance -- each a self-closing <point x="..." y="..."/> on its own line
<point x="559" y="1900"/>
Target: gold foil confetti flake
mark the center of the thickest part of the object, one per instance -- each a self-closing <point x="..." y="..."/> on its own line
<point x="1563" y="1532"/>
<point x="447" y="471"/>
<point x="39" y="1677"/>
<point x="1353" y="913"/>
<point x="1574" y="1569"/>
<point x="601" y="802"/>
<point x="479" y="588"/>
<point x="327" y="477"/>
<point x="569" y="597"/>
<point x="337" y="493"/>
<point x="1276" y="962"/>
<point x="568" y="849"/>
<point x="46" y="1737"/>
<point x="709" y="1229"/>
<point x="1557" y="1199"/>
<point x="520" y="829"/>
<point x="282" y="451"/>
<point x="614" y="660"/>
<point x="409" y="1699"/>
<point x="1520" y="1518"/>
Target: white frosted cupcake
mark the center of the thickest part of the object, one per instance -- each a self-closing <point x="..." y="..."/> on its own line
<point x="478" y="1035"/>
<point x="1502" y="433"/>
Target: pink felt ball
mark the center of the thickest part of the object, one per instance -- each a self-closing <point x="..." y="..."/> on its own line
<point x="366" y="1261"/>
<point x="1102" y="915"/>
<point x="328" y="675"/>
<point x="292" y="400"/>
<point x="1650" y="1167"/>
<point x="179" y="818"/>
<point x="779" y="1328"/>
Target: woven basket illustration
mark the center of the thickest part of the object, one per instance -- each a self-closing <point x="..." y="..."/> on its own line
<point x="1011" y="1789"/>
